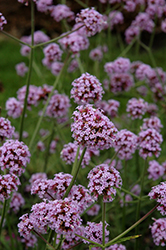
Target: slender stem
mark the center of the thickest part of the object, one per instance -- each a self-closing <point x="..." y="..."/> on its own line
<point x="14" y="38"/>
<point x="81" y="3"/>
<point x="139" y="201"/>
<point x="48" y="149"/>
<point x="43" y="239"/>
<point x="91" y="241"/>
<point x="3" y="215"/>
<point x="29" y="72"/>
<point x="128" y="47"/>
<point x="80" y="65"/>
<point x="45" y="106"/>
<point x="75" y="172"/>
<point x="103" y="220"/>
<point x="75" y="161"/>
<point x="113" y="241"/>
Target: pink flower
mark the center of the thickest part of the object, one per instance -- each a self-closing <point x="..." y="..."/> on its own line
<point x="61" y="11"/>
<point x="6" y="130"/>
<point x="21" y="69"/>
<point x="2" y="21"/>
<point x="14" y="107"/>
<point x="8" y="184"/>
<point x="158" y="229"/>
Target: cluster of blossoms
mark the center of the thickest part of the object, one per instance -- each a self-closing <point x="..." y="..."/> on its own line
<point x="69" y="152"/>
<point x="51" y="188"/>
<point x="149" y="143"/>
<point x="116" y="247"/>
<point x="60" y="12"/>
<point x="103" y="180"/>
<point x="33" y="178"/>
<point x="115" y="17"/>
<point x="6" y="130"/>
<point x="158" y="193"/>
<point x="152" y="122"/>
<point x="14" y="156"/>
<point x="91" y="128"/>
<point x="125" y="144"/>
<point x="155" y="170"/>
<point x="86" y="89"/>
<point x="58" y="106"/>
<point x="16" y="202"/>
<point x="109" y="107"/>
<point x="14" y="107"/>
<point x="158" y="229"/>
<point x="21" y="69"/>
<point x="2" y="21"/>
<point x="136" y="108"/>
<point x="94" y="210"/>
<point x="8" y="184"/>
<point x="52" y="53"/>
<point x="60" y="215"/>
<point x="91" y="19"/>
<point x="81" y="195"/>
<point x="119" y="74"/>
<point x="94" y="231"/>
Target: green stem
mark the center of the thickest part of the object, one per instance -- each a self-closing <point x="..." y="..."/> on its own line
<point x="45" y="106"/>
<point x="80" y="65"/>
<point x="139" y="201"/>
<point x="75" y="161"/>
<point x="38" y="234"/>
<point x="126" y="50"/>
<point x="103" y="220"/>
<point x="48" y="149"/>
<point x="75" y="172"/>
<point x="113" y="241"/>
<point x="81" y="3"/>
<point x="29" y="72"/>
<point x="90" y="241"/>
<point x="3" y="215"/>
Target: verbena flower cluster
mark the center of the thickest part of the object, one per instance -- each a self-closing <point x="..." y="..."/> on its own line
<point x="103" y="181"/>
<point x="8" y="184"/>
<point x="91" y="128"/>
<point x="14" y="157"/>
<point x="86" y="89"/>
<point x="158" y="229"/>
<point x="6" y="130"/>
<point x="158" y="193"/>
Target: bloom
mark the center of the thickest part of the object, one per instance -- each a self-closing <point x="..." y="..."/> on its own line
<point x="103" y="180"/>
<point x="149" y="143"/>
<point x="8" y="184"/>
<point x="125" y="144"/>
<point x="92" y="20"/>
<point x="86" y="89"/>
<point x="53" y="52"/>
<point x="158" y="229"/>
<point x="136" y="108"/>
<point x="14" y="107"/>
<point x="116" y="247"/>
<point x="61" y="11"/>
<point x="16" y="202"/>
<point x="21" y="69"/>
<point x="91" y="128"/>
<point x="155" y="170"/>
<point x="152" y="122"/>
<point x="2" y="21"/>
<point x="14" y="156"/>
<point x="6" y="130"/>
<point x="158" y="193"/>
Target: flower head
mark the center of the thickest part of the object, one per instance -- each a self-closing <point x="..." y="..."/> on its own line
<point x="91" y="128"/>
<point x="6" y="130"/>
<point x="149" y="143"/>
<point x="14" y="107"/>
<point x="103" y="180"/>
<point x="60" y="12"/>
<point x="14" y="156"/>
<point x="158" y="193"/>
<point x="155" y="170"/>
<point x="8" y="184"/>
<point x="2" y="21"/>
<point x="86" y="89"/>
<point x="16" y="202"/>
<point x="21" y="69"/>
<point x="136" y="108"/>
<point x="158" y="229"/>
<point x="92" y="20"/>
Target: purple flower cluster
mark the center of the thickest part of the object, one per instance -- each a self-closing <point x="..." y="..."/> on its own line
<point x="119" y="74"/>
<point x="60" y="215"/>
<point x="69" y="151"/>
<point x="6" y="130"/>
<point x="114" y="18"/>
<point x="94" y="210"/>
<point x="155" y="170"/>
<point x="92" y="20"/>
<point x="152" y="122"/>
<point x="14" y="107"/>
<point x="91" y="128"/>
<point x="52" y="53"/>
<point x="158" y="229"/>
<point x="103" y="180"/>
<point x="96" y="54"/>
<point x="93" y="231"/>
<point x="43" y="5"/>
<point x="109" y="107"/>
<point x="16" y="202"/>
<point x="158" y="193"/>
<point x="136" y="108"/>
<point x="21" y="69"/>
<point x="149" y="143"/>
<point x="58" y="106"/>
<point x="125" y="144"/>
<point x="81" y="195"/>
<point x="86" y="89"/>
<point x="2" y="21"/>
<point x="116" y="247"/>
<point x="8" y="184"/>
<point x="14" y="156"/>
<point x="51" y="188"/>
<point x="60" y="12"/>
